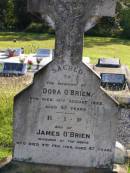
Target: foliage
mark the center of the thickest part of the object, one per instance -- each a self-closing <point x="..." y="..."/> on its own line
<point x="37" y="27"/>
<point x="106" y="27"/>
<point x="3" y="5"/>
<point x="4" y="152"/>
<point x="10" y="19"/>
<point x="23" y="19"/>
<point x="125" y="22"/>
<point x="116" y="26"/>
<point x="14" y="17"/>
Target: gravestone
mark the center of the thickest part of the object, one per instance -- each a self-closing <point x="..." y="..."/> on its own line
<point x="61" y="118"/>
<point x="9" y="68"/>
<point x="64" y="120"/>
<point x="44" y="53"/>
<point x="18" y="51"/>
<point x="113" y="81"/>
<point x="109" y="62"/>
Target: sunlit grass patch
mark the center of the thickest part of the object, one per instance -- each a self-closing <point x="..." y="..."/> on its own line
<point x="97" y="47"/>
<point x="5" y="152"/>
<point x="94" y="47"/>
<point x="9" y="87"/>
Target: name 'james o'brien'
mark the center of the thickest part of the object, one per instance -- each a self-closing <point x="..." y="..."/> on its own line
<point x="64" y="134"/>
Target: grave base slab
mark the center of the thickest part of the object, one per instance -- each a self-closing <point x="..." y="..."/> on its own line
<point x="21" y="167"/>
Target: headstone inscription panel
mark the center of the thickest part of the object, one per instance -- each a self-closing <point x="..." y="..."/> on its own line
<point x="113" y="78"/>
<point x="113" y="81"/>
<point x="9" y="68"/>
<point x="64" y="118"/>
<point x="43" y="53"/>
<point x="109" y="62"/>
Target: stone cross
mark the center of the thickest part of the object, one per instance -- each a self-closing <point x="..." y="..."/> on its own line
<point x="64" y="118"/>
<point x="70" y="19"/>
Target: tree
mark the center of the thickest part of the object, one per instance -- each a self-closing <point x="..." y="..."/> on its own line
<point x="23" y="18"/>
<point x="3" y="5"/>
<point x="10" y="18"/>
<point x="117" y="25"/>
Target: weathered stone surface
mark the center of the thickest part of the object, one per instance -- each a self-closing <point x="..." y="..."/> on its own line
<point x="65" y="118"/>
<point x="20" y="167"/>
<point x="92" y="10"/>
<point x="98" y="7"/>
<point x="123" y="134"/>
<point x="70" y="18"/>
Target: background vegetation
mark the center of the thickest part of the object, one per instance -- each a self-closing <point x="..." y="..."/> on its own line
<point x="14" y="17"/>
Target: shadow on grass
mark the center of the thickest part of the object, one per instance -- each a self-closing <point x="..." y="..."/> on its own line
<point x="10" y="36"/>
<point x="104" y="41"/>
<point x="88" y="41"/>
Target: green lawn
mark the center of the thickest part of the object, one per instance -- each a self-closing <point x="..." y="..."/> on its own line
<point x="9" y="87"/>
<point x="6" y="113"/>
<point x="94" y="47"/>
<point x="97" y="47"/>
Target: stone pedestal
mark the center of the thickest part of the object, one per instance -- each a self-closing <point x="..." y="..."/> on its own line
<point x="21" y="167"/>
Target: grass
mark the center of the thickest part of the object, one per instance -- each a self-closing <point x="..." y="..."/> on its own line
<point x="94" y="47"/>
<point x="30" y="42"/>
<point x="9" y="87"/>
